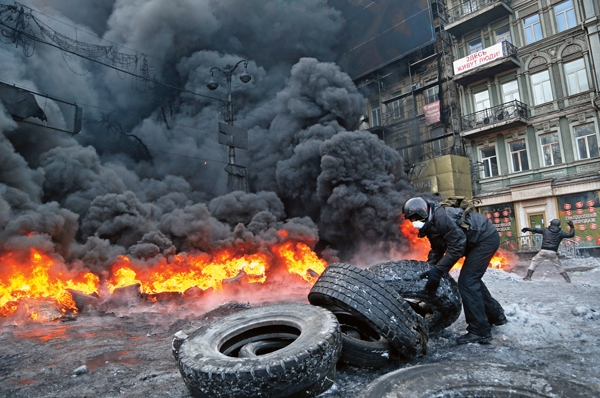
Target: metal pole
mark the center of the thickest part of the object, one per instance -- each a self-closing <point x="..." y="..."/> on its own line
<point x="234" y="173"/>
<point x="230" y="116"/>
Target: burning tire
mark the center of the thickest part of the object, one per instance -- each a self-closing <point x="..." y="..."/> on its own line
<point x="367" y="297"/>
<point x="466" y="379"/>
<point x="290" y="371"/>
<point x="441" y="310"/>
<point x="362" y="346"/>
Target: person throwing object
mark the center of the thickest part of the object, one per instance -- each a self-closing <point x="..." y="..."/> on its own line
<point x="452" y="235"/>
<point x="551" y="238"/>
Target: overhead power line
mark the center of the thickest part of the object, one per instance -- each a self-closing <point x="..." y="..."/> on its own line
<point x="18" y="30"/>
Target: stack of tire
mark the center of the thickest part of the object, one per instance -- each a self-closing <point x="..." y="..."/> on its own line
<point x="396" y="290"/>
<point x="291" y="350"/>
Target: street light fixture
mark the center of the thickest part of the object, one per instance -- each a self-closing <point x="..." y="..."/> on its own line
<point x="245" y="77"/>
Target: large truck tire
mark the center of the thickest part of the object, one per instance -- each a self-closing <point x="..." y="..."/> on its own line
<point x="371" y="300"/>
<point x="440" y="310"/>
<point x="287" y="372"/>
<point x="362" y="346"/>
<point x="469" y="379"/>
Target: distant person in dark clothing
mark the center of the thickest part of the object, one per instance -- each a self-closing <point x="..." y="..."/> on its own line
<point x="449" y="242"/>
<point x="552" y="236"/>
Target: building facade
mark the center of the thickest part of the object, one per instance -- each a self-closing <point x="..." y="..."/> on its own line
<point x="521" y="102"/>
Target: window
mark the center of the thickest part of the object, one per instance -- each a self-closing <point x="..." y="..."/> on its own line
<point x="437" y="143"/>
<point x="533" y="29"/>
<point x="510" y="91"/>
<point x="401" y="144"/>
<point x="550" y="149"/>
<point x="518" y="154"/>
<point x="565" y="15"/>
<point x="587" y="142"/>
<point x="431" y="94"/>
<point x="542" y="90"/>
<point x="576" y="76"/>
<point x="398" y="109"/>
<point x="503" y="34"/>
<point x="482" y="100"/>
<point x="490" y="162"/>
<point x="475" y="45"/>
<point x="375" y="114"/>
<point x="482" y="106"/>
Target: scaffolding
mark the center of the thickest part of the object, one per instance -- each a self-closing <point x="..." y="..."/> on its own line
<point x="408" y="89"/>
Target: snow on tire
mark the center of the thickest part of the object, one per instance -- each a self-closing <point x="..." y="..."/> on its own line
<point x="441" y="310"/>
<point x="265" y="346"/>
<point x="468" y="379"/>
<point x="289" y="371"/>
<point x="364" y="295"/>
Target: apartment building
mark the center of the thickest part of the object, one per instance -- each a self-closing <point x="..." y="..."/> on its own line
<point x="414" y="107"/>
<point x="528" y="93"/>
<point x="520" y="103"/>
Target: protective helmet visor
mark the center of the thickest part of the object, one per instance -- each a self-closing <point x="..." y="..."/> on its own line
<point x="416" y="217"/>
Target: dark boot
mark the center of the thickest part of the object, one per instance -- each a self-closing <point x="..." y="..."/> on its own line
<point x="499" y="321"/>
<point x="528" y="277"/>
<point x="564" y="275"/>
<point x="473" y="338"/>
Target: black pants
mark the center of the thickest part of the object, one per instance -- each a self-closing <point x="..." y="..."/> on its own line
<point x="479" y="305"/>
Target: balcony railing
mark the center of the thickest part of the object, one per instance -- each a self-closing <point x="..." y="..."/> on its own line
<point x="510" y="110"/>
<point x="468" y="7"/>
<point x="533" y="242"/>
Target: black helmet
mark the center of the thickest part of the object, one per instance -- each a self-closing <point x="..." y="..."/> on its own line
<point x="555" y="223"/>
<point x="416" y="209"/>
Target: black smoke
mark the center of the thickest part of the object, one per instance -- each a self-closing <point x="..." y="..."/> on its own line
<point x="88" y="198"/>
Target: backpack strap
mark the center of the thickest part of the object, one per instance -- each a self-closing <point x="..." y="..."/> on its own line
<point x="461" y="202"/>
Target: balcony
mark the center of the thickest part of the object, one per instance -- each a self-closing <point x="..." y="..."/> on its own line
<point x="473" y="14"/>
<point x="509" y="114"/>
<point x="488" y="62"/>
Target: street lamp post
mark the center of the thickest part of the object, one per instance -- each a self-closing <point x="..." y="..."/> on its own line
<point x="228" y="117"/>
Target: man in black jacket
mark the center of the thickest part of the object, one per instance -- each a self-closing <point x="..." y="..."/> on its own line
<point x="449" y="242"/>
<point x="551" y="238"/>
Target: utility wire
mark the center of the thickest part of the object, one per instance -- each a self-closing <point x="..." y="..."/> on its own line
<point x="93" y="34"/>
<point x="205" y="160"/>
<point x="35" y="38"/>
<point x="108" y="110"/>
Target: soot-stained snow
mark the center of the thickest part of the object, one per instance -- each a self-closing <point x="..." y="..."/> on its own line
<point x="553" y="329"/>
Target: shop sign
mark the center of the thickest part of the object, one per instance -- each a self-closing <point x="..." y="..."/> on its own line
<point x="502" y="217"/>
<point x="581" y="208"/>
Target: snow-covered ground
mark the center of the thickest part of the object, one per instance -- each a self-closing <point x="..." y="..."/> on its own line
<point x="554" y="328"/>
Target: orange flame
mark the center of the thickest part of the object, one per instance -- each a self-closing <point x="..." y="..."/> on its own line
<point x="205" y="271"/>
<point x="419" y="248"/>
<point x="301" y="260"/>
<point x="185" y="271"/>
<point x="40" y="277"/>
<point x="37" y="275"/>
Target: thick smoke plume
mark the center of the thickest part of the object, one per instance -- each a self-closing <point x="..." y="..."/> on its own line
<point x="91" y="197"/>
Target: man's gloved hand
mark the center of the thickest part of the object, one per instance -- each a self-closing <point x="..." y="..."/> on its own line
<point x="434" y="275"/>
<point x="571" y="224"/>
<point x="524" y="229"/>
